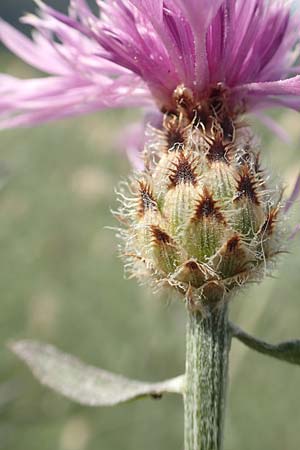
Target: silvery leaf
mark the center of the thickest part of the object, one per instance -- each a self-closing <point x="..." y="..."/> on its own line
<point x="86" y="384"/>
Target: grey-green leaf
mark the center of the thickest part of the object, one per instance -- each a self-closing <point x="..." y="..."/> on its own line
<point x="288" y="351"/>
<point x="85" y="384"/>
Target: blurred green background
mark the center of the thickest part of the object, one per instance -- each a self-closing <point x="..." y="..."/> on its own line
<point x="62" y="282"/>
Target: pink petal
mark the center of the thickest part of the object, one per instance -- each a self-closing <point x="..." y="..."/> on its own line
<point x="41" y="56"/>
<point x="270" y="93"/>
<point x="30" y="102"/>
<point x="291" y="86"/>
<point x="151" y="8"/>
<point x="200" y="15"/>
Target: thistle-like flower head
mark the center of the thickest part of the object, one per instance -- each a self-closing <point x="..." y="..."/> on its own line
<point x="202" y="217"/>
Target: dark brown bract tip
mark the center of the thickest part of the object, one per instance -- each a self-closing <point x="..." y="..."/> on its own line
<point x="184" y="171"/>
<point x="218" y="101"/>
<point x="175" y="139"/>
<point x="233" y="244"/>
<point x="247" y="186"/>
<point x="218" y="153"/>
<point x="192" y="266"/>
<point x="175" y="132"/>
<point x="202" y="116"/>
<point x="160" y="236"/>
<point x="228" y="129"/>
<point x="207" y="207"/>
<point x="146" y="199"/>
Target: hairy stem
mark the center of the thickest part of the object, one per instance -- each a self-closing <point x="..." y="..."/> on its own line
<point x="207" y="348"/>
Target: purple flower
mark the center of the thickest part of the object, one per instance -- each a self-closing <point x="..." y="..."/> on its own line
<point x="136" y="52"/>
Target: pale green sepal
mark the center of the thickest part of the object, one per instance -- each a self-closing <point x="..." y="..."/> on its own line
<point x="288" y="351"/>
<point x="86" y="384"/>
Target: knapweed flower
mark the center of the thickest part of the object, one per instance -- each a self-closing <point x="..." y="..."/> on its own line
<point x="203" y="216"/>
<point x="137" y="52"/>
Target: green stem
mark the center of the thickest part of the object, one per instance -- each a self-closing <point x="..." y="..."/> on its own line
<point x="207" y="349"/>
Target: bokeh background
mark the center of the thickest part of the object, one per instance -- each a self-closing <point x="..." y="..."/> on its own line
<point x="61" y="281"/>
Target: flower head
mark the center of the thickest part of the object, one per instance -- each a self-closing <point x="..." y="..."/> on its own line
<point x="202" y="216"/>
<point x="136" y="52"/>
